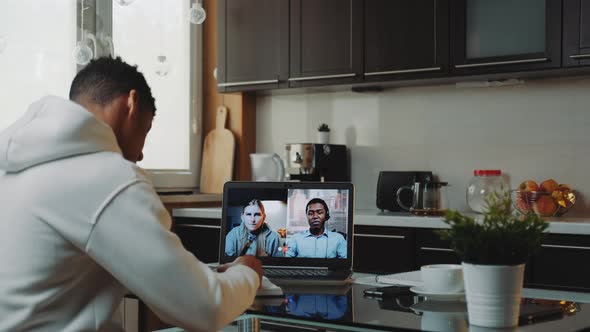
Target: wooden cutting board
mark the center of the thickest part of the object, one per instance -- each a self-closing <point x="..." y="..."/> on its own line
<point x="218" y="156"/>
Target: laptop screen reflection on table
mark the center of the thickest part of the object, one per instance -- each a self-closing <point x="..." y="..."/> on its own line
<point x="301" y="231"/>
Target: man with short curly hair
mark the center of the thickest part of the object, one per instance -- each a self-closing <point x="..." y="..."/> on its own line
<point x="81" y="224"/>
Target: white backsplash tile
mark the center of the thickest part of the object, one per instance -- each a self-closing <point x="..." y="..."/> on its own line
<point x="536" y="131"/>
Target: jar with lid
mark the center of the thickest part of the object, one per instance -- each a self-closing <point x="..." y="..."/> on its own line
<point x="483" y="183"/>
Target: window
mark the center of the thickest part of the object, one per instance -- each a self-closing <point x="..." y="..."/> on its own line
<point x="37" y="39"/>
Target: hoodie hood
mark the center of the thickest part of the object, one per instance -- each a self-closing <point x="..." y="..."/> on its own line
<point x="51" y="129"/>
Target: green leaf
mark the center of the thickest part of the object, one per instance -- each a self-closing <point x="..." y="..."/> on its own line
<point x="502" y="237"/>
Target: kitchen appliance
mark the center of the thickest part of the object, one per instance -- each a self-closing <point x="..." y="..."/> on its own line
<point x="390" y="181"/>
<point x="429" y="198"/>
<point x="317" y="162"/>
<point x="267" y="167"/>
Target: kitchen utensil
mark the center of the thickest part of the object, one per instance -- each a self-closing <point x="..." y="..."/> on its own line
<point x="267" y="167"/>
<point x="428" y="198"/>
<point x="218" y="156"/>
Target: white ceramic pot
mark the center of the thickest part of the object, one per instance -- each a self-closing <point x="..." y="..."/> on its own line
<point x="493" y="294"/>
<point x="323" y="137"/>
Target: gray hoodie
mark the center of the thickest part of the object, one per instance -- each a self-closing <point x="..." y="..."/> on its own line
<point x="79" y="225"/>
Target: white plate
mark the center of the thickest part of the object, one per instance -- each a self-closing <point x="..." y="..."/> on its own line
<point x="437" y="296"/>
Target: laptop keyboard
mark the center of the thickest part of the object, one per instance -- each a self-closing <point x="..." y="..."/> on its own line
<point x="305" y="273"/>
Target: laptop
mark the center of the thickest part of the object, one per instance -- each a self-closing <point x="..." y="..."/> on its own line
<point x="301" y="231"/>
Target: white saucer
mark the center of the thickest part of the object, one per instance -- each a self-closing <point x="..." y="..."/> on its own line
<point x="438" y="296"/>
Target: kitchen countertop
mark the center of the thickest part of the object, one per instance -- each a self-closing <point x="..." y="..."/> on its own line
<point x="374" y="217"/>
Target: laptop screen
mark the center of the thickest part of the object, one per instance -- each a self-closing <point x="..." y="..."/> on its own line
<point x="288" y="223"/>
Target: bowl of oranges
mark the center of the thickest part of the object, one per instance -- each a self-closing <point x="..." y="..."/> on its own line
<point x="546" y="199"/>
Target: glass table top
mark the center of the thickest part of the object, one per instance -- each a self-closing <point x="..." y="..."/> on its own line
<point x="348" y="308"/>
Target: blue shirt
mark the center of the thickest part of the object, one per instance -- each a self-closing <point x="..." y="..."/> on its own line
<point x="319" y="306"/>
<point x="328" y="245"/>
<point x="234" y="241"/>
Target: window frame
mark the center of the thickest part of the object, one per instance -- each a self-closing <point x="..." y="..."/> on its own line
<point x="164" y="180"/>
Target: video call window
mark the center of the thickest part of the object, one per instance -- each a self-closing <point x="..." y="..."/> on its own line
<point x="302" y="223"/>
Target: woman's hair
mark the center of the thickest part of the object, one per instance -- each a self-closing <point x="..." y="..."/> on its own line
<point x="260" y="238"/>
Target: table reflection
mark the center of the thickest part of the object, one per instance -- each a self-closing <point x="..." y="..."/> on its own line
<point x="351" y="307"/>
<point x="317" y="306"/>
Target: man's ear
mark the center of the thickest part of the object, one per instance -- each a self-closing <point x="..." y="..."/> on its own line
<point x="132" y="101"/>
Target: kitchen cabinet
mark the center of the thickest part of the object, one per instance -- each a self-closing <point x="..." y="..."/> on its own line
<point x="405" y="39"/>
<point x="576" y="33"/>
<point x="504" y="36"/>
<point x="326" y="44"/>
<point x="430" y="249"/>
<point x="253" y="44"/>
<point x="383" y="249"/>
<point x="200" y="236"/>
<point x="562" y="262"/>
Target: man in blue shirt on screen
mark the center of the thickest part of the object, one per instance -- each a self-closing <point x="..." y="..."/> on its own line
<point x="317" y="241"/>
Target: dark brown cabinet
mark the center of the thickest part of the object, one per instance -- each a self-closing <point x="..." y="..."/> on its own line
<point x="576" y="33"/>
<point x="562" y="262"/>
<point x="430" y="249"/>
<point x="383" y="249"/>
<point x="253" y="45"/>
<point x="325" y="42"/>
<point x="504" y="36"/>
<point x="405" y="39"/>
<point x="200" y="236"/>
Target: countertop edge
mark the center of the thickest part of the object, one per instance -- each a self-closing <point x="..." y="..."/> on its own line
<point x="575" y="226"/>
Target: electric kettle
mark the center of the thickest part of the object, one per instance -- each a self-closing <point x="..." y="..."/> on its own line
<point x="267" y="167"/>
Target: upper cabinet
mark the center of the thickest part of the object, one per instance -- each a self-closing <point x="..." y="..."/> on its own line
<point x="326" y="42"/>
<point x="576" y="33"/>
<point x="270" y="44"/>
<point x="405" y="39"/>
<point x="253" y="44"/>
<point x="505" y="35"/>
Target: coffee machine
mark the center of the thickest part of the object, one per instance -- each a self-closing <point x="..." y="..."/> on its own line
<point x="317" y="162"/>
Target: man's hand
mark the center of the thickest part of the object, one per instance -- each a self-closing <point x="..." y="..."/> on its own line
<point x="248" y="260"/>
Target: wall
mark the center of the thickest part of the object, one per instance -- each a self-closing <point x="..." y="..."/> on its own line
<point x="35" y="53"/>
<point x="537" y="130"/>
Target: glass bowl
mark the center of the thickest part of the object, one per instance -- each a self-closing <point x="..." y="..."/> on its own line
<point x="544" y="203"/>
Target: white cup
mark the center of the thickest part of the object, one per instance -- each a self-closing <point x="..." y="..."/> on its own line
<point x="443" y="278"/>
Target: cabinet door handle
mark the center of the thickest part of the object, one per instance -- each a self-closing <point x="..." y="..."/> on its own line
<point x="197" y="226"/>
<point x="580" y="56"/>
<point x="499" y="63"/>
<point x="563" y="247"/>
<point x="310" y="78"/>
<point x="381" y="236"/>
<point x="222" y="85"/>
<point x="402" y="71"/>
<point x="436" y="249"/>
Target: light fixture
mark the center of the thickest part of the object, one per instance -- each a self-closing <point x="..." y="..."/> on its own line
<point x="82" y="52"/>
<point x="124" y="2"/>
<point x="2" y="44"/>
<point x="162" y="66"/>
<point x="105" y="39"/>
<point x="197" y="13"/>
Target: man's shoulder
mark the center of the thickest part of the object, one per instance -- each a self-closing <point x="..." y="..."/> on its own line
<point x="301" y="235"/>
<point x="334" y="234"/>
<point x="112" y="166"/>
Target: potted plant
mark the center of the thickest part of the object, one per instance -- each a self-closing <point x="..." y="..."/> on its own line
<point x="494" y="251"/>
<point x="323" y="134"/>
